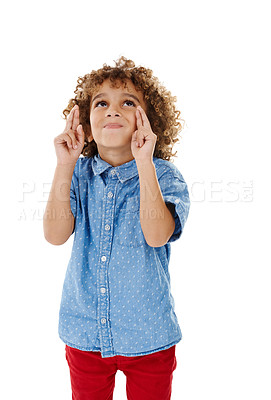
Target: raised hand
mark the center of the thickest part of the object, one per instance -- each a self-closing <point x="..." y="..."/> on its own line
<point x="143" y="136"/>
<point x="70" y="143"/>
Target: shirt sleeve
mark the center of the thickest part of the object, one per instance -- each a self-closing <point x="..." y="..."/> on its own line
<point x="73" y="193"/>
<point x="175" y="193"/>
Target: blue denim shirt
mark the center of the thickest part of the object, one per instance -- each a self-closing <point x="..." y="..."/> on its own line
<point x="116" y="295"/>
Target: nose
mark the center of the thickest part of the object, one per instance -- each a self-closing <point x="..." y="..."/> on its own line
<point x="112" y="112"/>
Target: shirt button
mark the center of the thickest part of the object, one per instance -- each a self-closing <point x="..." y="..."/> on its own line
<point x="107" y="227"/>
<point x="103" y="258"/>
<point x="103" y="320"/>
<point x="110" y="195"/>
<point x="103" y="290"/>
<point x="177" y="201"/>
<point x="113" y="172"/>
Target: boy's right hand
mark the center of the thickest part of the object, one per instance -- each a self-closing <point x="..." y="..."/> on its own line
<point x="73" y="135"/>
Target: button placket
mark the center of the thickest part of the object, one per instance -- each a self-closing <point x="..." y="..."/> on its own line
<point x="103" y="284"/>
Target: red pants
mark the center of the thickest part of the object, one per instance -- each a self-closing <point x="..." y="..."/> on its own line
<point x="148" y="377"/>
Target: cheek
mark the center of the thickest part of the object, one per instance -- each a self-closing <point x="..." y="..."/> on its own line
<point x="93" y="120"/>
<point x="133" y="119"/>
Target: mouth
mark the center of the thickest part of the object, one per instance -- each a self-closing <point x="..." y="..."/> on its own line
<point x="113" y="126"/>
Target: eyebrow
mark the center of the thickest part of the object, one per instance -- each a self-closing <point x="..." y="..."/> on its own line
<point x="123" y="94"/>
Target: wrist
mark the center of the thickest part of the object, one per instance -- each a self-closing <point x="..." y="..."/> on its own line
<point x="143" y="164"/>
<point x="67" y="166"/>
<point x="64" y="171"/>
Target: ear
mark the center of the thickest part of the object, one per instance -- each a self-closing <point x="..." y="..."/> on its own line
<point x="88" y="134"/>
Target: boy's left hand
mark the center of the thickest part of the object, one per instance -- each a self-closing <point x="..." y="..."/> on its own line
<point x="144" y="136"/>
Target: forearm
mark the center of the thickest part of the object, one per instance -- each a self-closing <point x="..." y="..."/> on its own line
<point x="157" y="222"/>
<point x="58" y="220"/>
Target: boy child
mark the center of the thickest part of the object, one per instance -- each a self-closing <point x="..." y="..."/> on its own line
<point x="124" y="201"/>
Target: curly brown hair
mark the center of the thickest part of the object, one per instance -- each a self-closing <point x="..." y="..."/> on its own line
<point x="161" y="111"/>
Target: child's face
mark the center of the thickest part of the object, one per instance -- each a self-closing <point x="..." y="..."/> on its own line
<point x="113" y="116"/>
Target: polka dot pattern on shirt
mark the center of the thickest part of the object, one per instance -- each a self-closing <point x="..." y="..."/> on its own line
<point x="116" y="295"/>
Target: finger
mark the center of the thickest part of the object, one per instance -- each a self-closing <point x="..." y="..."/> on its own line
<point x="66" y="138"/>
<point x="80" y="134"/>
<point x="73" y="139"/>
<point x="134" y="138"/>
<point x="144" y="117"/>
<point x="138" y="119"/>
<point x="70" y="119"/>
<point x="75" y="122"/>
<point x="138" y="138"/>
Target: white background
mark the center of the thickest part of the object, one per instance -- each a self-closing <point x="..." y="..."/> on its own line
<point x="215" y="57"/>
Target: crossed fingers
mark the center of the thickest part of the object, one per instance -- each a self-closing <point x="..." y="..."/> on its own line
<point x="73" y="118"/>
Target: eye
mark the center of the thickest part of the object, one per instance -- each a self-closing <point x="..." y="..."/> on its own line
<point x="131" y="103"/>
<point x="100" y="102"/>
<point x="103" y="103"/>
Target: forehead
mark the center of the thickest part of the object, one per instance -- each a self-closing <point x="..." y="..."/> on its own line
<point x="117" y="86"/>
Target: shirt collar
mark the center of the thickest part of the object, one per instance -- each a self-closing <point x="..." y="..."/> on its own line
<point x="124" y="172"/>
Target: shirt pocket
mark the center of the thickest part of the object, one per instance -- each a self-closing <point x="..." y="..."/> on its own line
<point x="128" y="227"/>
